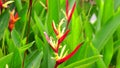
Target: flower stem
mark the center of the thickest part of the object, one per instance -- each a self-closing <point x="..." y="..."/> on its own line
<point x="29" y="12"/>
<point x="56" y="65"/>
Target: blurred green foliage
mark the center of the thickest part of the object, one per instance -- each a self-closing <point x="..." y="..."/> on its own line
<point x="26" y="43"/>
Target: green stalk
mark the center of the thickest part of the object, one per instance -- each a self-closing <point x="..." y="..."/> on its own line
<point x="3" y="44"/>
<point x="23" y="31"/>
<point x="100" y="63"/>
<point x="118" y="59"/>
<point x="29" y="14"/>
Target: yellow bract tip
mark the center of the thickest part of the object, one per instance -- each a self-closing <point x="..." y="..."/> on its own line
<point x="5" y="5"/>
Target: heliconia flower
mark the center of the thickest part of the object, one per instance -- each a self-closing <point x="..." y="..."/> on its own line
<point x="69" y="12"/>
<point x="61" y="35"/>
<point x="55" y="45"/>
<point x="62" y="38"/>
<point x="55" y="29"/>
<point x="5" y="5"/>
<point x="13" y="19"/>
<point x="65" y="58"/>
<point x="58" y="31"/>
<point x="52" y="43"/>
<point x="63" y="53"/>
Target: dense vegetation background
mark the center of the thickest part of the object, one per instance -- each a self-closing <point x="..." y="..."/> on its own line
<point x="59" y="34"/>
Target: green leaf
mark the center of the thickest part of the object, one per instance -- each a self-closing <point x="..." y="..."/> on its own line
<point x="4" y="19"/>
<point x="118" y="59"/>
<point x="88" y="30"/>
<point x="40" y="26"/>
<point x="39" y="43"/>
<point x="100" y="15"/>
<point x="16" y="38"/>
<point x="38" y="22"/>
<point x="53" y="13"/>
<point x="18" y="4"/>
<point x="82" y="62"/>
<point x="107" y="14"/>
<point x="16" y="59"/>
<point x="108" y="52"/>
<point x="116" y="45"/>
<point x="20" y="25"/>
<point x="108" y="11"/>
<point x="5" y="60"/>
<point x="116" y="4"/>
<point x="9" y="41"/>
<point x="1" y="53"/>
<point x="100" y="63"/>
<point x="53" y="10"/>
<point x="106" y="32"/>
<point x="34" y="60"/>
<point x="99" y="2"/>
<point x="76" y="30"/>
<point x="25" y="47"/>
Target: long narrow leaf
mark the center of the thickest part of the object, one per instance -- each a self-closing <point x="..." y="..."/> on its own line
<point x="84" y="61"/>
<point x="106" y="32"/>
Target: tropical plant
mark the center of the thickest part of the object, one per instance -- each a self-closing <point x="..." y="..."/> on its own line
<point x="59" y="34"/>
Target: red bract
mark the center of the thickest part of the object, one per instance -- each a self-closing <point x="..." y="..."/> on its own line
<point x="55" y="46"/>
<point x="67" y="7"/>
<point x="69" y="13"/>
<point x="1" y="3"/>
<point x="62" y="37"/>
<point x="13" y="19"/>
<point x="57" y="30"/>
<point x="59" y="61"/>
<point x="54" y="28"/>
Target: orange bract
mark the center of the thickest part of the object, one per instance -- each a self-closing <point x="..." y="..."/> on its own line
<point x="13" y="19"/>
